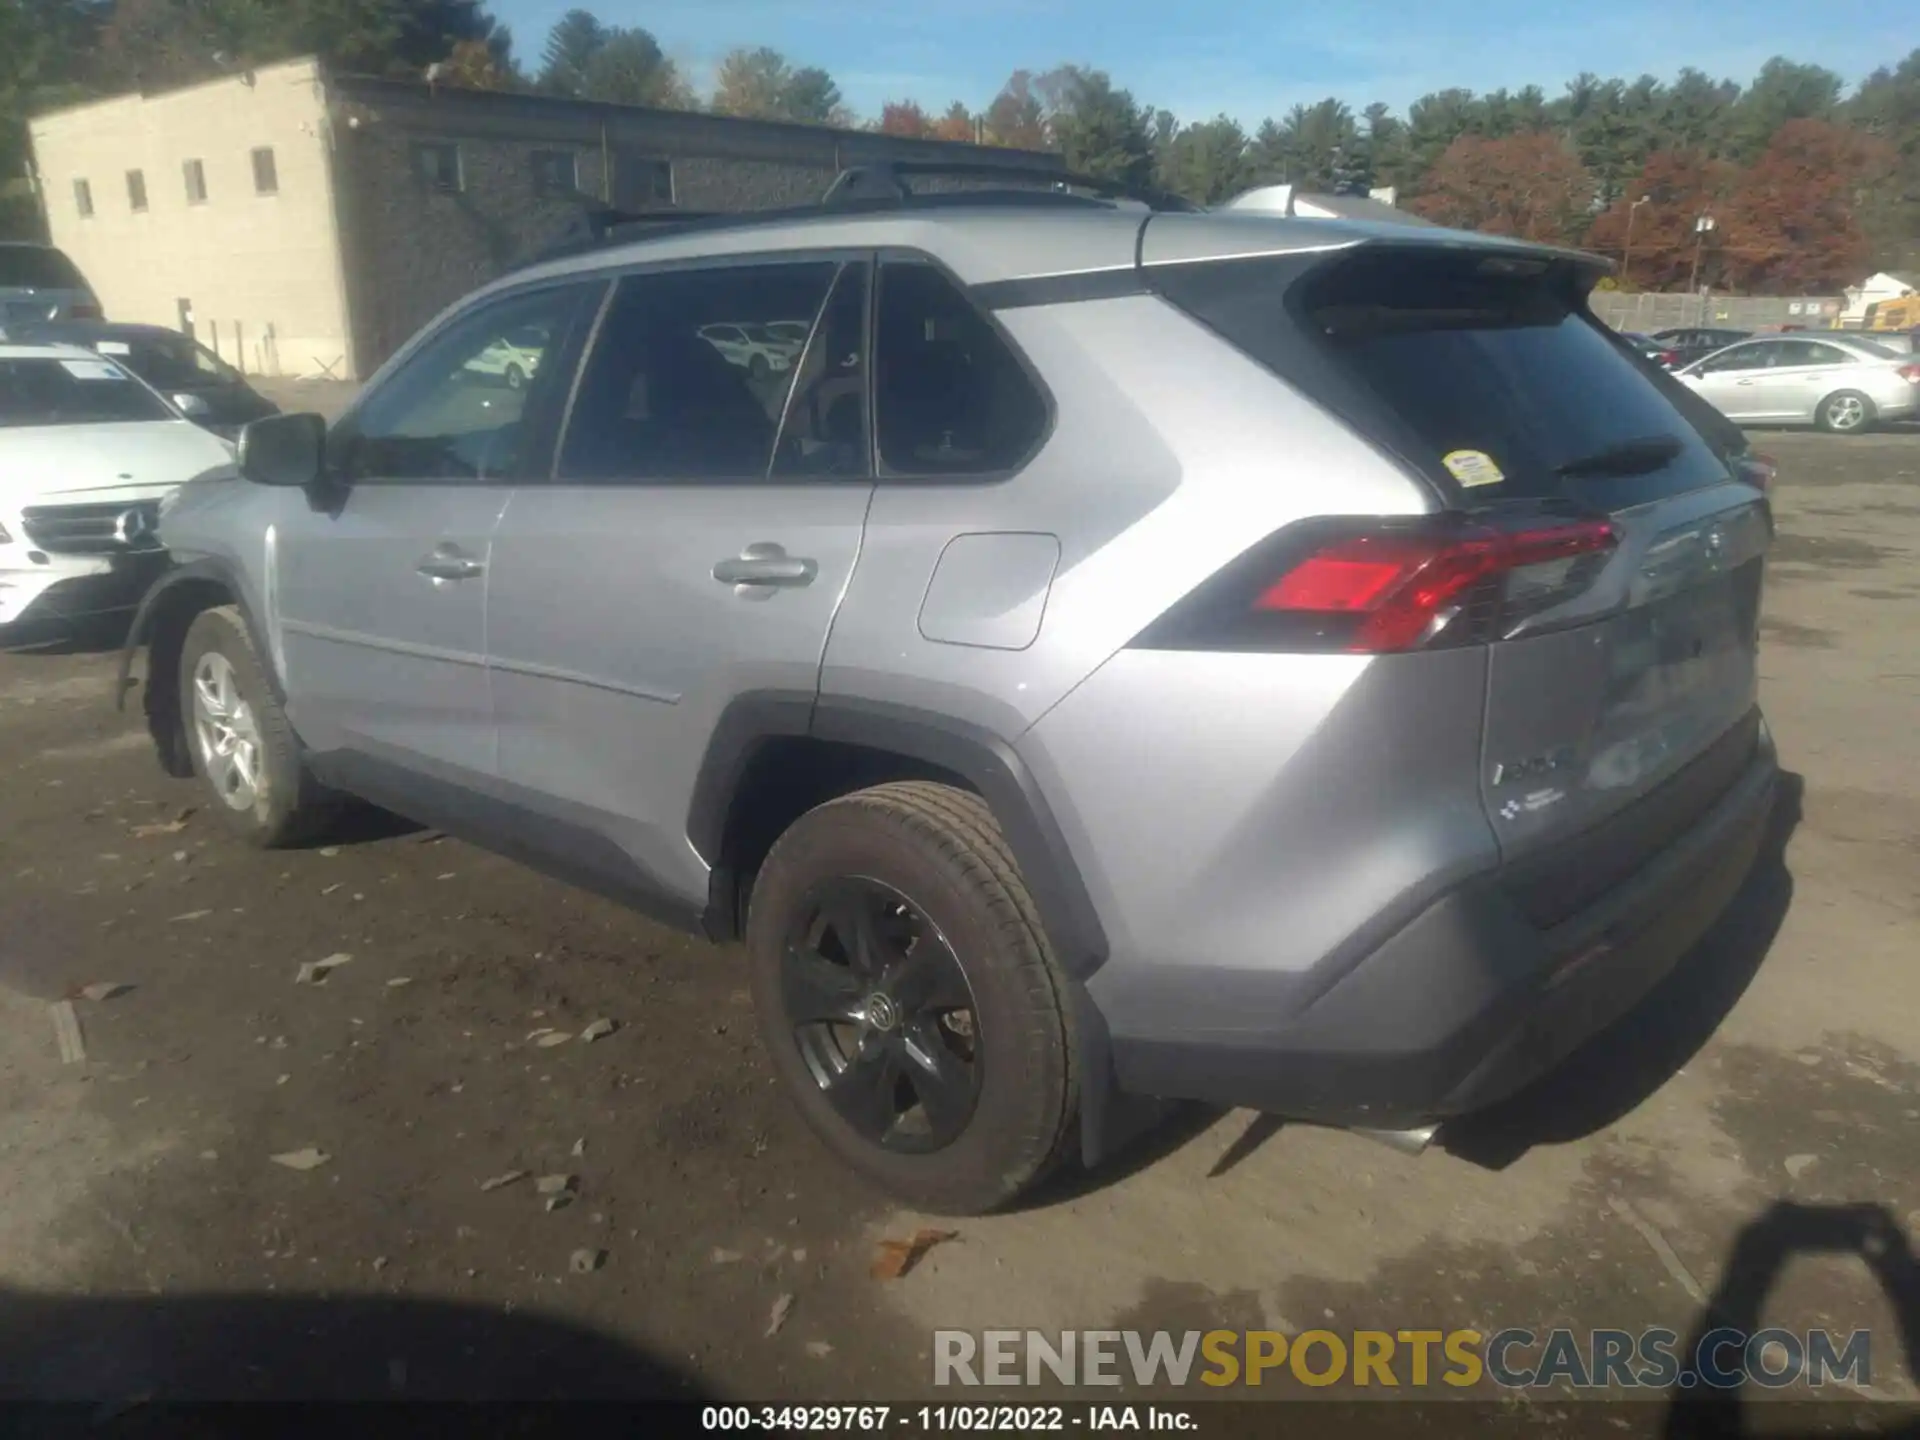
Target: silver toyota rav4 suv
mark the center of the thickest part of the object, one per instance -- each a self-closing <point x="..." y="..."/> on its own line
<point x="1130" y="655"/>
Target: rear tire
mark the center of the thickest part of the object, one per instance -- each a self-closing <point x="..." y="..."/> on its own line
<point x="1846" y="412"/>
<point x="243" y="749"/>
<point x="516" y="377"/>
<point x="985" y="1118"/>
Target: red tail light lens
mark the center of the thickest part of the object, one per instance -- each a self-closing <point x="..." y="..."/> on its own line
<point x="1372" y="588"/>
<point x="1669" y="358"/>
<point x="1910" y="374"/>
<point x="1405" y="588"/>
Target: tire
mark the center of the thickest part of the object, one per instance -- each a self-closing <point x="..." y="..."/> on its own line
<point x="284" y="806"/>
<point x="1845" y="412"/>
<point x="937" y="851"/>
<point x="759" y="367"/>
<point x="516" y="377"/>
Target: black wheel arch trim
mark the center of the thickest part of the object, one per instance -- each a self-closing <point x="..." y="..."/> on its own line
<point x="158" y="697"/>
<point x="976" y="755"/>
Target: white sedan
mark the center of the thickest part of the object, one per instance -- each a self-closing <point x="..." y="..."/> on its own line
<point x="87" y="453"/>
<point x="1844" y="383"/>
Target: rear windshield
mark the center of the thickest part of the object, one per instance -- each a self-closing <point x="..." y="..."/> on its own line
<point x="1498" y="385"/>
<point x="38" y="267"/>
<point x="79" y="391"/>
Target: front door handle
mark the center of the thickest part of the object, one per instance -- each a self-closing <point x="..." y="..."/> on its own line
<point x="766" y="564"/>
<point x="448" y="563"/>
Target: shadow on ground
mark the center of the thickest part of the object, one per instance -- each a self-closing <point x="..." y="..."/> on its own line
<point x="149" y="1350"/>
<point x="1761" y="1253"/>
<point x="1618" y="1069"/>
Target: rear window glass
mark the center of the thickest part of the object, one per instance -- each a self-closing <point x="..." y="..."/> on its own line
<point x="1499" y="381"/>
<point x="38" y="267"/>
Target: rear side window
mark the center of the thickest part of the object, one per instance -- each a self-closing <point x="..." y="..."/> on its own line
<point x="39" y="267"/>
<point x="950" y="397"/>
<point x="1487" y="375"/>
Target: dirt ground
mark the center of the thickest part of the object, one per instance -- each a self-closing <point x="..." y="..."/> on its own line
<point x="1767" y="1097"/>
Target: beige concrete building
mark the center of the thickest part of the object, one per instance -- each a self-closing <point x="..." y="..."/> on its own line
<point x="303" y="223"/>
<point x="212" y="205"/>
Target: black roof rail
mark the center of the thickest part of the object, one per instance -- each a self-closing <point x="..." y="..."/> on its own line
<point x="877" y="188"/>
<point x="883" y="180"/>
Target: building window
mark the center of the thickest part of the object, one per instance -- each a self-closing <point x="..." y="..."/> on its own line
<point x="640" y="182"/>
<point x="556" y="172"/>
<point x="438" y="166"/>
<point x="83" y="198"/>
<point x="136" y="190"/>
<point x="196" y="174"/>
<point x="266" y="179"/>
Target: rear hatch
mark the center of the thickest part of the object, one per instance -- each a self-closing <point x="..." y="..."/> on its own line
<point x="1596" y="529"/>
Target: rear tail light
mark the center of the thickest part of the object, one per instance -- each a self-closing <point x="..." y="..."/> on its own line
<point x="1669" y="358"/>
<point x="1910" y="374"/>
<point x="1380" y="587"/>
<point x="1759" y="471"/>
<point x="83" y="312"/>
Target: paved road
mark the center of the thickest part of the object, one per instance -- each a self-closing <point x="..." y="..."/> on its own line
<point x="148" y="1243"/>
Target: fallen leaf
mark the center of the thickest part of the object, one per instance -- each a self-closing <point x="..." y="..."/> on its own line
<point x="315" y="972"/>
<point x="556" y="1184"/>
<point x="782" y="1308"/>
<point x="499" y="1181"/>
<point x="585" y="1262"/>
<point x="307" y="1159"/>
<point x="725" y="1257"/>
<point x="191" y="915"/>
<point x="553" y="1038"/>
<point x="819" y="1349"/>
<point x="397" y="981"/>
<point x="330" y="851"/>
<point x="66" y="1032"/>
<point x="894" y="1258"/>
<point x="162" y="827"/>
<point x="579" y="1147"/>
<point x="1798" y="1165"/>
<point x="598" y="1030"/>
<point x="101" y="990"/>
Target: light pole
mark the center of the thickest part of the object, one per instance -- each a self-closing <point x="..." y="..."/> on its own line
<point x="1700" y="228"/>
<point x="1626" y="260"/>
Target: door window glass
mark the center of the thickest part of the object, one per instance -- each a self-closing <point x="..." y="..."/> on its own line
<point x="678" y="387"/>
<point x="826" y="425"/>
<point x="950" y="397"/>
<point x="468" y="405"/>
<point x="1746" y="357"/>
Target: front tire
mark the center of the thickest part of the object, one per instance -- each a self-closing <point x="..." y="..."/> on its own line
<point x="909" y="998"/>
<point x="516" y="377"/>
<point x="1846" y="412"/>
<point x="243" y="749"/>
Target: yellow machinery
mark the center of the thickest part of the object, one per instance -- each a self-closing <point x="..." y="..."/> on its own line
<point x="1901" y="314"/>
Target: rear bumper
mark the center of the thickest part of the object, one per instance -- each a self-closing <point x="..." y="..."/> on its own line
<point x="1470" y="1001"/>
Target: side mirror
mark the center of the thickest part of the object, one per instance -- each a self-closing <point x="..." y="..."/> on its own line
<point x="191" y="406"/>
<point x="286" y="450"/>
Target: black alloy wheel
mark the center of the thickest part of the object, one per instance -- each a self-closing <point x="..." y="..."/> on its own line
<point x="882" y="1014"/>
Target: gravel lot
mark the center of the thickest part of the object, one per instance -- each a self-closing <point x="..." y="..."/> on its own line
<point x="149" y="1245"/>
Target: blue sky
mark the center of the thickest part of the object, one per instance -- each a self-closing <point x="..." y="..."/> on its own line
<point x="1248" y="59"/>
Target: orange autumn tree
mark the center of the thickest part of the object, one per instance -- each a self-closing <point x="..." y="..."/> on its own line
<point x="905" y="117"/>
<point x="1679" y="186"/>
<point x="1529" y="186"/>
<point x="1792" y="225"/>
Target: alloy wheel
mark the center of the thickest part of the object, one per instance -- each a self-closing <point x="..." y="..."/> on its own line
<point x="226" y="731"/>
<point x="883" y="1015"/>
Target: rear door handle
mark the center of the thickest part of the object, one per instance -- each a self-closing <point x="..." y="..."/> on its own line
<point x="766" y="564"/>
<point x="447" y="562"/>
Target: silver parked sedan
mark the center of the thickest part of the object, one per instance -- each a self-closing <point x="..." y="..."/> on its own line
<point x="1839" y="382"/>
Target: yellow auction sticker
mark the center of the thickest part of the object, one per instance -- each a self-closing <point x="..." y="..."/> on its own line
<point x="1473" y="467"/>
